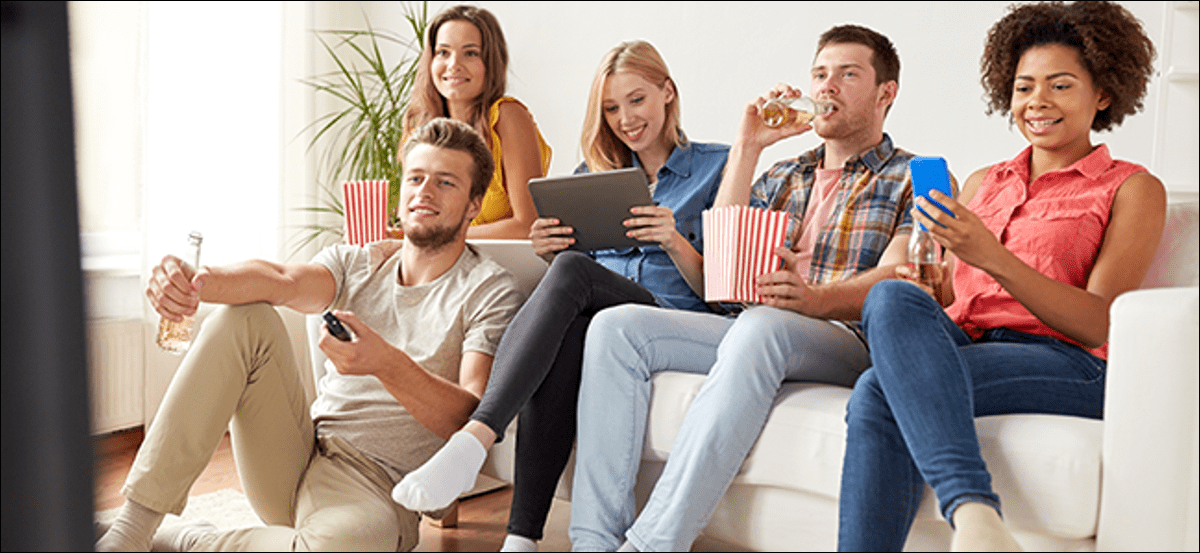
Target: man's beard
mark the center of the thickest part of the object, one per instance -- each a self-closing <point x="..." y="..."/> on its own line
<point x="432" y="238"/>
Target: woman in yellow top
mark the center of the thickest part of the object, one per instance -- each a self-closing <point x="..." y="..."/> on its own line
<point x="463" y="75"/>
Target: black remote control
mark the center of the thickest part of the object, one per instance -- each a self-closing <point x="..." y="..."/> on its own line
<point x="335" y="327"/>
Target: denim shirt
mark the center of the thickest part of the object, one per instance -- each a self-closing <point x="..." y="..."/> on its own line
<point x="687" y="183"/>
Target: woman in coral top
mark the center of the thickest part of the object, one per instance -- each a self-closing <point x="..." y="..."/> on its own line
<point x="1037" y="249"/>
<point x="462" y="74"/>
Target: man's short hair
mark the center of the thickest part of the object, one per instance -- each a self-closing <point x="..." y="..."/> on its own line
<point x="884" y="58"/>
<point x="450" y="134"/>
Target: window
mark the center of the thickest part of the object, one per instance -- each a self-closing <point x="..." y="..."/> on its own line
<point x="188" y="116"/>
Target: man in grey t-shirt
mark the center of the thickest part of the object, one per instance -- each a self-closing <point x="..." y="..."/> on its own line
<point x="425" y="314"/>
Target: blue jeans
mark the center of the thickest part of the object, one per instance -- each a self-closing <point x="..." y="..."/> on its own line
<point x="746" y="359"/>
<point x="911" y="417"/>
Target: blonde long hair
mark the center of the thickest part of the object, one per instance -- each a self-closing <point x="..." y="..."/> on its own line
<point x="602" y="150"/>
<point x="427" y="103"/>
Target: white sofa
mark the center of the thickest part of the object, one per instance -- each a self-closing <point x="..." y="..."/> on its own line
<point x="1128" y="482"/>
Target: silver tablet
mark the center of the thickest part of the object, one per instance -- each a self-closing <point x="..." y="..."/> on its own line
<point x="594" y="204"/>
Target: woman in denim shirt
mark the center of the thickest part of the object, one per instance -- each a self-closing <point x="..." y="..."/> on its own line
<point x="632" y="121"/>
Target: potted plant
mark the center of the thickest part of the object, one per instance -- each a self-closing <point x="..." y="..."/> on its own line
<point x="364" y="132"/>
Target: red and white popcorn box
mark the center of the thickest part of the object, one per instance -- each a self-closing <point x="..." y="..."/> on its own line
<point x="365" y="203"/>
<point x="739" y="245"/>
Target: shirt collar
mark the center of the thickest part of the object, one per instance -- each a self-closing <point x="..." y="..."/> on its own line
<point x="679" y="162"/>
<point x="1094" y="164"/>
<point x="874" y="159"/>
<point x="1091" y="166"/>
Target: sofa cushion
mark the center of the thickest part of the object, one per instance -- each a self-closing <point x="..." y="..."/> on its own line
<point x="1045" y="468"/>
<point x="1177" y="261"/>
<point x="806" y="429"/>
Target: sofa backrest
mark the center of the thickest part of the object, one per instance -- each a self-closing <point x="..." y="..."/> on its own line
<point x="1177" y="262"/>
<point x="518" y="257"/>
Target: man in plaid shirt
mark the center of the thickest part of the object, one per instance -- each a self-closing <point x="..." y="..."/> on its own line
<point x="849" y="202"/>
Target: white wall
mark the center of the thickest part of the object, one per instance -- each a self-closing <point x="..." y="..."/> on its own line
<point x="723" y="54"/>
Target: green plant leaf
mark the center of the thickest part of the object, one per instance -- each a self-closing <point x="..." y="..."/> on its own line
<point x="361" y="137"/>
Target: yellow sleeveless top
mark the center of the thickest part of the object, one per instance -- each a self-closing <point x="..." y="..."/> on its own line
<point x="496" y="205"/>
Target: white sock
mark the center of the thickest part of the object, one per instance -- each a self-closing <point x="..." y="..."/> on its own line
<point x="450" y="472"/>
<point x="180" y="535"/>
<point x="131" y="530"/>
<point x="513" y="542"/>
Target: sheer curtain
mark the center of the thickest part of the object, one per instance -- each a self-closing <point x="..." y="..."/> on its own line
<point x="190" y="116"/>
<point x="213" y="143"/>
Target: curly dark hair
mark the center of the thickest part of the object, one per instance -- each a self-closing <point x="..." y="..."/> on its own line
<point x="1111" y="43"/>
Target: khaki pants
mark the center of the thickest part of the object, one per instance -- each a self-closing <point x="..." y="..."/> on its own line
<point x="312" y="494"/>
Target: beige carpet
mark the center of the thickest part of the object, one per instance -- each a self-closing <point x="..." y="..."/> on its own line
<point x="226" y="509"/>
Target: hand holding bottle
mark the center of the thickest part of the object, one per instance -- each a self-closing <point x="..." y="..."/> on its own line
<point x="170" y="289"/>
<point x="925" y="266"/>
<point x="788" y="110"/>
<point x="175" y="297"/>
<point x="964" y="234"/>
<point x="772" y="117"/>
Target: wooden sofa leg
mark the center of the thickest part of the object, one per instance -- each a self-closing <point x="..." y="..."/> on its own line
<point x="448" y="521"/>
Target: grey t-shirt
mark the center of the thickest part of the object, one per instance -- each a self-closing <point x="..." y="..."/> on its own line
<point x="465" y="309"/>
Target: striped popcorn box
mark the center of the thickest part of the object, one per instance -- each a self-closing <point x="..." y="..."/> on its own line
<point x="366" y="210"/>
<point x="739" y="245"/>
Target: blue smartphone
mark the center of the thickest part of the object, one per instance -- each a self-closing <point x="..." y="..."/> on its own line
<point x="930" y="173"/>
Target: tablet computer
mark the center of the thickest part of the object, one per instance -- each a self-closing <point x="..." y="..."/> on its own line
<point x="594" y="204"/>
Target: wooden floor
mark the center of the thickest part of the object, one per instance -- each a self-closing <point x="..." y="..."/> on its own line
<point x="481" y="519"/>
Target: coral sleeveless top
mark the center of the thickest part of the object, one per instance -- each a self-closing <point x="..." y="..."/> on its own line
<point x="1055" y="224"/>
<point x="496" y="204"/>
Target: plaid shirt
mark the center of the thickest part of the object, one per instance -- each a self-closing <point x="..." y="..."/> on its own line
<point x="874" y="200"/>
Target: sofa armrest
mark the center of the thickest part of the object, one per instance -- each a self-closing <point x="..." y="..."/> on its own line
<point x="1150" y="481"/>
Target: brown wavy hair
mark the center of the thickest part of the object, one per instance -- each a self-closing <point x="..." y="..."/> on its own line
<point x="427" y="103"/>
<point x="1111" y="43"/>
<point x="602" y="150"/>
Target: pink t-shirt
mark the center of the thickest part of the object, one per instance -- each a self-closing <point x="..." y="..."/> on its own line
<point x="1055" y="224"/>
<point x="820" y="207"/>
